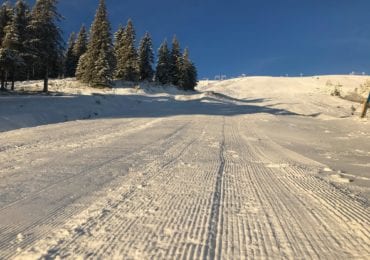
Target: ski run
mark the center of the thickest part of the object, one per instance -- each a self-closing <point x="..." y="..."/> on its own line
<point x="234" y="171"/>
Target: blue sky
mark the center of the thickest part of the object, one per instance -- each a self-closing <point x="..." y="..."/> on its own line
<point x="261" y="37"/>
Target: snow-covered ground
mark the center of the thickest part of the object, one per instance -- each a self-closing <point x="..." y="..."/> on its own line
<point x="255" y="167"/>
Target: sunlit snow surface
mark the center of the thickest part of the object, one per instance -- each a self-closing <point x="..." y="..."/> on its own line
<point x="252" y="168"/>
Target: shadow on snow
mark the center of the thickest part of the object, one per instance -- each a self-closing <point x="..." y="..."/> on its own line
<point x="58" y="108"/>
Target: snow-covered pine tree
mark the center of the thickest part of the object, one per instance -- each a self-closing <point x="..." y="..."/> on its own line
<point x="118" y="39"/>
<point x="14" y="51"/>
<point x="127" y="59"/>
<point x="76" y="48"/>
<point x="70" y="59"/>
<point x="80" y="50"/>
<point x="21" y="21"/>
<point x="175" y="61"/>
<point x="82" y="74"/>
<point x="5" y="20"/>
<point x="104" y="73"/>
<point x="146" y="58"/>
<point x="46" y="40"/>
<point x="163" y="69"/>
<point x="12" y="48"/>
<point x="96" y="66"/>
<point x="188" y="72"/>
<point x="118" y="36"/>
<point x="80" y="46"/>
<point x="6" y="14"/>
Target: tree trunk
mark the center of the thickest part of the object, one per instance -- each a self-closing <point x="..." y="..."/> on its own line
<point x="2" y="80"/>
<point x="46" y="79"/>
<point x="6" y="79"/>
<point x="13" y="80"/>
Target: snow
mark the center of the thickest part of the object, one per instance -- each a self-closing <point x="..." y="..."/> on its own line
<point x="70" y="100"/>
<point x="256" y="167"/>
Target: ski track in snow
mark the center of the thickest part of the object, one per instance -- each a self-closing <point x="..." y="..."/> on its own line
<point x="192" y="199"/>
<point x="180" y="187"/>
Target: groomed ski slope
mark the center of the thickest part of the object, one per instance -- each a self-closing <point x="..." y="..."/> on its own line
<point x="222" y="174"/>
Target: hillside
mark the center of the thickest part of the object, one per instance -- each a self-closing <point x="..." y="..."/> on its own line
<point x="303" y="95"/>
<point x="70" y="100"/>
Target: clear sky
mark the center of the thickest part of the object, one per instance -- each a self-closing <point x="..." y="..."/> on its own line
<point x="260" y="37"/>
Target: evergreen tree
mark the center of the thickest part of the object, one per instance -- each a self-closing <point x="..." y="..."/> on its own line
<point x="163" y="65"/>
<point x="80" y="46"/>
<point x="7" y="58"/>
<point x="97" y="64"/>
<point x="175" y="61"/>
<point x="6" y="14"/>
<point x="127" y="58"/>
<point x="11" y="51"/>
<point x="188" y="73"/>
<point x="46" y="40"/>
<point x="82" y="72"/>
<point x="76" y="48"/>
<point x="118" y="39"/>
<point x="70" y="58"/>
<point x="21" y="21"/>
<point x="14" y="51"/>
<point x="5" y="20"/>
<point x="146" y="58"/>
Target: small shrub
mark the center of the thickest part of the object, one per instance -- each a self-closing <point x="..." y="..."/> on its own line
<point x="336" y="91"/>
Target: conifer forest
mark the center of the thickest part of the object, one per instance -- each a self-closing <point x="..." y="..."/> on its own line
<point x="33" y="47"/>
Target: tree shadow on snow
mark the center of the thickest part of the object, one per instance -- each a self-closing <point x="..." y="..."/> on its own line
<point x="166" y="106"/>
<point x="41" y="110"/>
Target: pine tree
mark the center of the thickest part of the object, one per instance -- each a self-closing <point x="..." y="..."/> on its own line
<point x="70" y="58"/>
<point x="97" y="64"/>
<point x="12" y="47"/>
<point x="14" y="50"/>
<point x="6" y="14"/>
<point x="146" y="58"/>
<point x="127" y="58"/>
<point x="118" y="39"/>
<point x="82" y="72"/>
<point x="21" y="21"/>
<point x="163" y="65"/>
<point x="76" y="48"/>
<point x="103" y="68"/>
<point x="5" y="20"/>
<point x="7" y="58"/>
<point x="80" y="48"/>
<point x="175" y="61"/>
<point x="46" y="40"/>
<point x="188" y="73"/>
